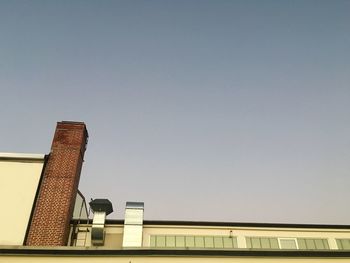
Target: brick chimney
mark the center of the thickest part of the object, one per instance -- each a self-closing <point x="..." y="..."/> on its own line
<point x="56" y="197"/>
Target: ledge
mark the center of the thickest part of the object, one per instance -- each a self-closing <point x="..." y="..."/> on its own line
<point x="95" y="251"/>
<point x="147" y="223"/>
<point x="22" y="156"/>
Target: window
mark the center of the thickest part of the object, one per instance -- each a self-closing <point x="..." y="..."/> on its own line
<point x="208" y="242"/>
<point x="180" y="241"/>
<point x="199" y="242"/>
<point x="288" y="243"/>
<point x="262" y="242"/>
<point x="230" y="242"/>
<point x="160" y="241"/>
<point x="189" y="241"/>
<point x="313" y="243"/>
<point x="218" y="242"/>
<point x="291" y="243"/>
<point x="343" y="244"/>
<point x="170" y="241"/>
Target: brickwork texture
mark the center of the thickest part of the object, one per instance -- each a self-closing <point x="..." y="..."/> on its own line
<point x="55" y="201"/>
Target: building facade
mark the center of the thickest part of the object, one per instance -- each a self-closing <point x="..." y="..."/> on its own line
<point x="45" y="219"/>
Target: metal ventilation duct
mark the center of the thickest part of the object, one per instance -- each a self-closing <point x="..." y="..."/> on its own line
<point x="101" y="208"/>
<point x="133" y="224"/>
<point x="98" y="226"/>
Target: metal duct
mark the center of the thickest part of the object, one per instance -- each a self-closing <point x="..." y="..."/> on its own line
<point x="101" y="208"/>
<point x="133" y="224"/>
<point x="98" y="227"/>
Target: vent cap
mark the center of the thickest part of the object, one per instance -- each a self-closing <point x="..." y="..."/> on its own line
<point x="101" y="205"/>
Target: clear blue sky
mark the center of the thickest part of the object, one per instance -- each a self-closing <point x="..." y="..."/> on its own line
<point x="204" y="110"/>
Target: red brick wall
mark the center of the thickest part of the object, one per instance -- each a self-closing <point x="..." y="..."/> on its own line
<point x="55" y="202"/>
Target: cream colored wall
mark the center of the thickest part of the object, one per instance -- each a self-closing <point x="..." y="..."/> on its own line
<point x="161" y="259"/>
<point x="114" y="234"/>
<point x="19" y="178"/>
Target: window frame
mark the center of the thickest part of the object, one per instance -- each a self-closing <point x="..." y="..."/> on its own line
<point x="194" y="241"/>
<point x="288" y="238"/>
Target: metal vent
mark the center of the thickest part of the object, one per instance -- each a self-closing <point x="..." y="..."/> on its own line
<point x="101" y="208"/>
<point x="133" y="224"/>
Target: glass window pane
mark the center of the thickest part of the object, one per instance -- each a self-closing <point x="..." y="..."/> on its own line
<point x="218" y="242"/>
<point x="160" y="241"/>
<point x="153" y="241"/>
<point x="339" y="244"/>
<point x="180" y="241"/>
<point x="310" y="244"/>
<point x="249" y="242"/>
<point x="170" y="241"/>
<point x="302" y="243"/>
<point x="319" y="244"/>
<point x="288" y="244"/>
<point x="265" y="242"/>
<point x="256" y="242"/>
<point x="199" y="242"/>
<point x="274" y="243"/>
<point x="227" y="242"/>
<point x="345" y="243"/>
<point x="190" y="241"/>
<point x="209" y="242"/>
<point x="325" y="244"/>
<point x="235" y="244"/>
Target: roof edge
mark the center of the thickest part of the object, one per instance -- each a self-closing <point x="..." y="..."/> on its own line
<point x="54" y="251"/>
<point x="222" y="224"/>
<point x="21" y="156"/>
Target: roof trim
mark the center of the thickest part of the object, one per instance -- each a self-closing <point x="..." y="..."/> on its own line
<point x="173" y="253"/>
<point x="224" y="224"/>
<point x="245" y="224"/>
<point x="21" y="156"/>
